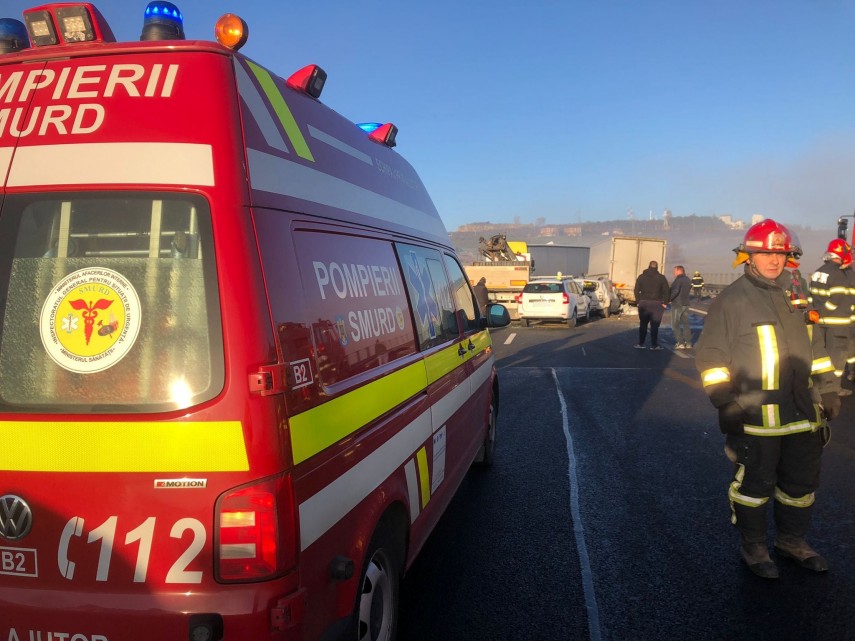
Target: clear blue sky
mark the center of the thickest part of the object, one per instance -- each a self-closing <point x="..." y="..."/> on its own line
<point x="575" y="110"/>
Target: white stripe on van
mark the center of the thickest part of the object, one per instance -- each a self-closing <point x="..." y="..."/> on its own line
<point x="104" y="163"/>
<point x="5" y="159"/>
<point x="335" y="143"/>
<point x="326" y="508"/>
<point x="444" y="408"/>
<point x="258" y="108"/>
<point x="412" y="488"/>
<point x="288" y="178"/>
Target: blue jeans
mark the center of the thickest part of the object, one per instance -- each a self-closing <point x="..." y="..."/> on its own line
<point x="680" y="323"/>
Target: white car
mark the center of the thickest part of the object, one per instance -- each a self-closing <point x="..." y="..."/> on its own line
<point x="605" y="299"/>
<point x="553" y="299"/>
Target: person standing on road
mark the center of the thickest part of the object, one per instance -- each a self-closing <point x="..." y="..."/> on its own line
<point x="482" y="296"/>
<point x="652" y="295"/>
<point x="681" y="287"/>
<point x="770" y="379"/>
<point x="697" y="284"/>
<point x="834" y="300"/>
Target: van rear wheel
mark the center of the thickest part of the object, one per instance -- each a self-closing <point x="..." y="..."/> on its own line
<point x="571" y="322"/>
<point x="375" y="617"/>
<point x="606" y="311"/>
<point x="524" y="322"/>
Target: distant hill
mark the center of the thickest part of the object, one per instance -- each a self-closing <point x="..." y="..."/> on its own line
<point x="709" y="251"/>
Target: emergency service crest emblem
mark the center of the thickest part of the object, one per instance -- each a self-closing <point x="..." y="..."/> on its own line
<point x="90" y="320"/>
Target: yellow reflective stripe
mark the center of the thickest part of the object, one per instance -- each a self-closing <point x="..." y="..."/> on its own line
<point x="449" y="358"/>
<point x="316" y="429"/>
<point x="443" y="362"/>
<point x="145" y="446"/>
<point x="715" y="375"/>
<point x="784" y="498"/>
<point x="771" y="414"/>
<point x="821" y="365"/>
<point x="780" y="430"/>
<point x="292" y="129"/>
<point x="737" y="497"/>
<point x="830" y="306"/>
<point x="424" y="475"/>
<point x="768" y="356"/>
<point x="835" y="320"/>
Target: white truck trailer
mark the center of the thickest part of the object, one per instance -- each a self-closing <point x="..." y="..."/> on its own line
<point x="622" y="258"/>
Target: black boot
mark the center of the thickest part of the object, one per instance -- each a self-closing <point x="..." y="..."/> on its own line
<point x="756" y="557"/>
<point x="798" y="549"/>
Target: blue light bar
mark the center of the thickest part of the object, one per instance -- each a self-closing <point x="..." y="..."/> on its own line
<point x="162" y="21"/>
<point x="369" y="127"/>
<point x="13" y="35"/>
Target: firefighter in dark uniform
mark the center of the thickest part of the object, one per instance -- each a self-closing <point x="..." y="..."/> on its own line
<point x="833" y="299"/>
<point x="757" y="356"/>
<point x="697" y="284"/>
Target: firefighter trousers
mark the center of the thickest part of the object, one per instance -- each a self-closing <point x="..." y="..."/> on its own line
<point x="837" y="346"/>
<point x="781" y="468"/>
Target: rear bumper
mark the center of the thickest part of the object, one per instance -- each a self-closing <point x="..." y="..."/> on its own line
<point x="246" y="611"/>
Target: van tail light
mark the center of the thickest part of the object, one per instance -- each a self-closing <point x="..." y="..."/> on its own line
<point x="518" y="298"/>
<point x="565" y="299"/>
<point x="256" y="531"/>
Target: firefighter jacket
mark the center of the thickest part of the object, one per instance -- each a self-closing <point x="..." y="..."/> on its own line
<point x="697" y="281"/>
<point x="756" y="349"/>
<point x="831" y="295"/>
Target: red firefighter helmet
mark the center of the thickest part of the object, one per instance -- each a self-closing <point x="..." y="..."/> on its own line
<point x="769" y="236"/>
<point x="841" y="249"/>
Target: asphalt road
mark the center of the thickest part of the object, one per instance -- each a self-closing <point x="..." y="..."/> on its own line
<point x="606" y="513"/>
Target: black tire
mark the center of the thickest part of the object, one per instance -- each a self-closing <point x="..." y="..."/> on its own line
<point x="606" y="311"/>
<point x="523" y="322"/>
<point x="487" y="454"/>
<point x="571" y="322"/>
<point x="375" y="615"/>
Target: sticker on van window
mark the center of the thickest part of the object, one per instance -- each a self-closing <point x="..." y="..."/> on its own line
<point x="90" y="320"/>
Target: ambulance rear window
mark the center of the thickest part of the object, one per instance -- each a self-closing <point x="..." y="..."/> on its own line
<point x="108" y="303"/>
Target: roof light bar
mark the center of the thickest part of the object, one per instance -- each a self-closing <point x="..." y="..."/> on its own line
<point x="231" y="31"/>
<point x="162" y="21"/>
<point x="369" y="127"/>
<point x="13" y="36"/>
<point x="66" y="23"/>
<point x="385" y="134"/>
<point x="310" y="80"/>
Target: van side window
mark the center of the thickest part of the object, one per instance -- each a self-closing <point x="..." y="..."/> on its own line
<point x="430" y="295"/>
<point x="355" y="301"/>
<point x="463" y="295"/>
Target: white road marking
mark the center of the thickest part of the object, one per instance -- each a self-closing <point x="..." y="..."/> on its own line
<point x="510" y="338"/>
<point x="594" y="633"/>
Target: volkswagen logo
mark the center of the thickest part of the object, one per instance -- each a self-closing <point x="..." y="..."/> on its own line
<point x="16" y="517"/>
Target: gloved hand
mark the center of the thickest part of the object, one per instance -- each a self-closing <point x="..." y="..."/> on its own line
<point x="730" y="418"/>
<point x="830" y="405"/>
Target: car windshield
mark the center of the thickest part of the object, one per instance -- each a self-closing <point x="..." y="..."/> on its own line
<point x="109" y="303"/>
<point x="542" y="288"/>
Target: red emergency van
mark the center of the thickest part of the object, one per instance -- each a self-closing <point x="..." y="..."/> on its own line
<point x="242" y="372"/>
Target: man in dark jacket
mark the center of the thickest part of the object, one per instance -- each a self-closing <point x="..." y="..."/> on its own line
<point x="482" y="296"/>
<point x="652" y="295"/>
<point x="681" y="287"/>
<point x="766" y="371"/>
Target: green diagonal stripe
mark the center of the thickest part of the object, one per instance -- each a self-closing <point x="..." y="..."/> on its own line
<point x="292" y="130"/>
